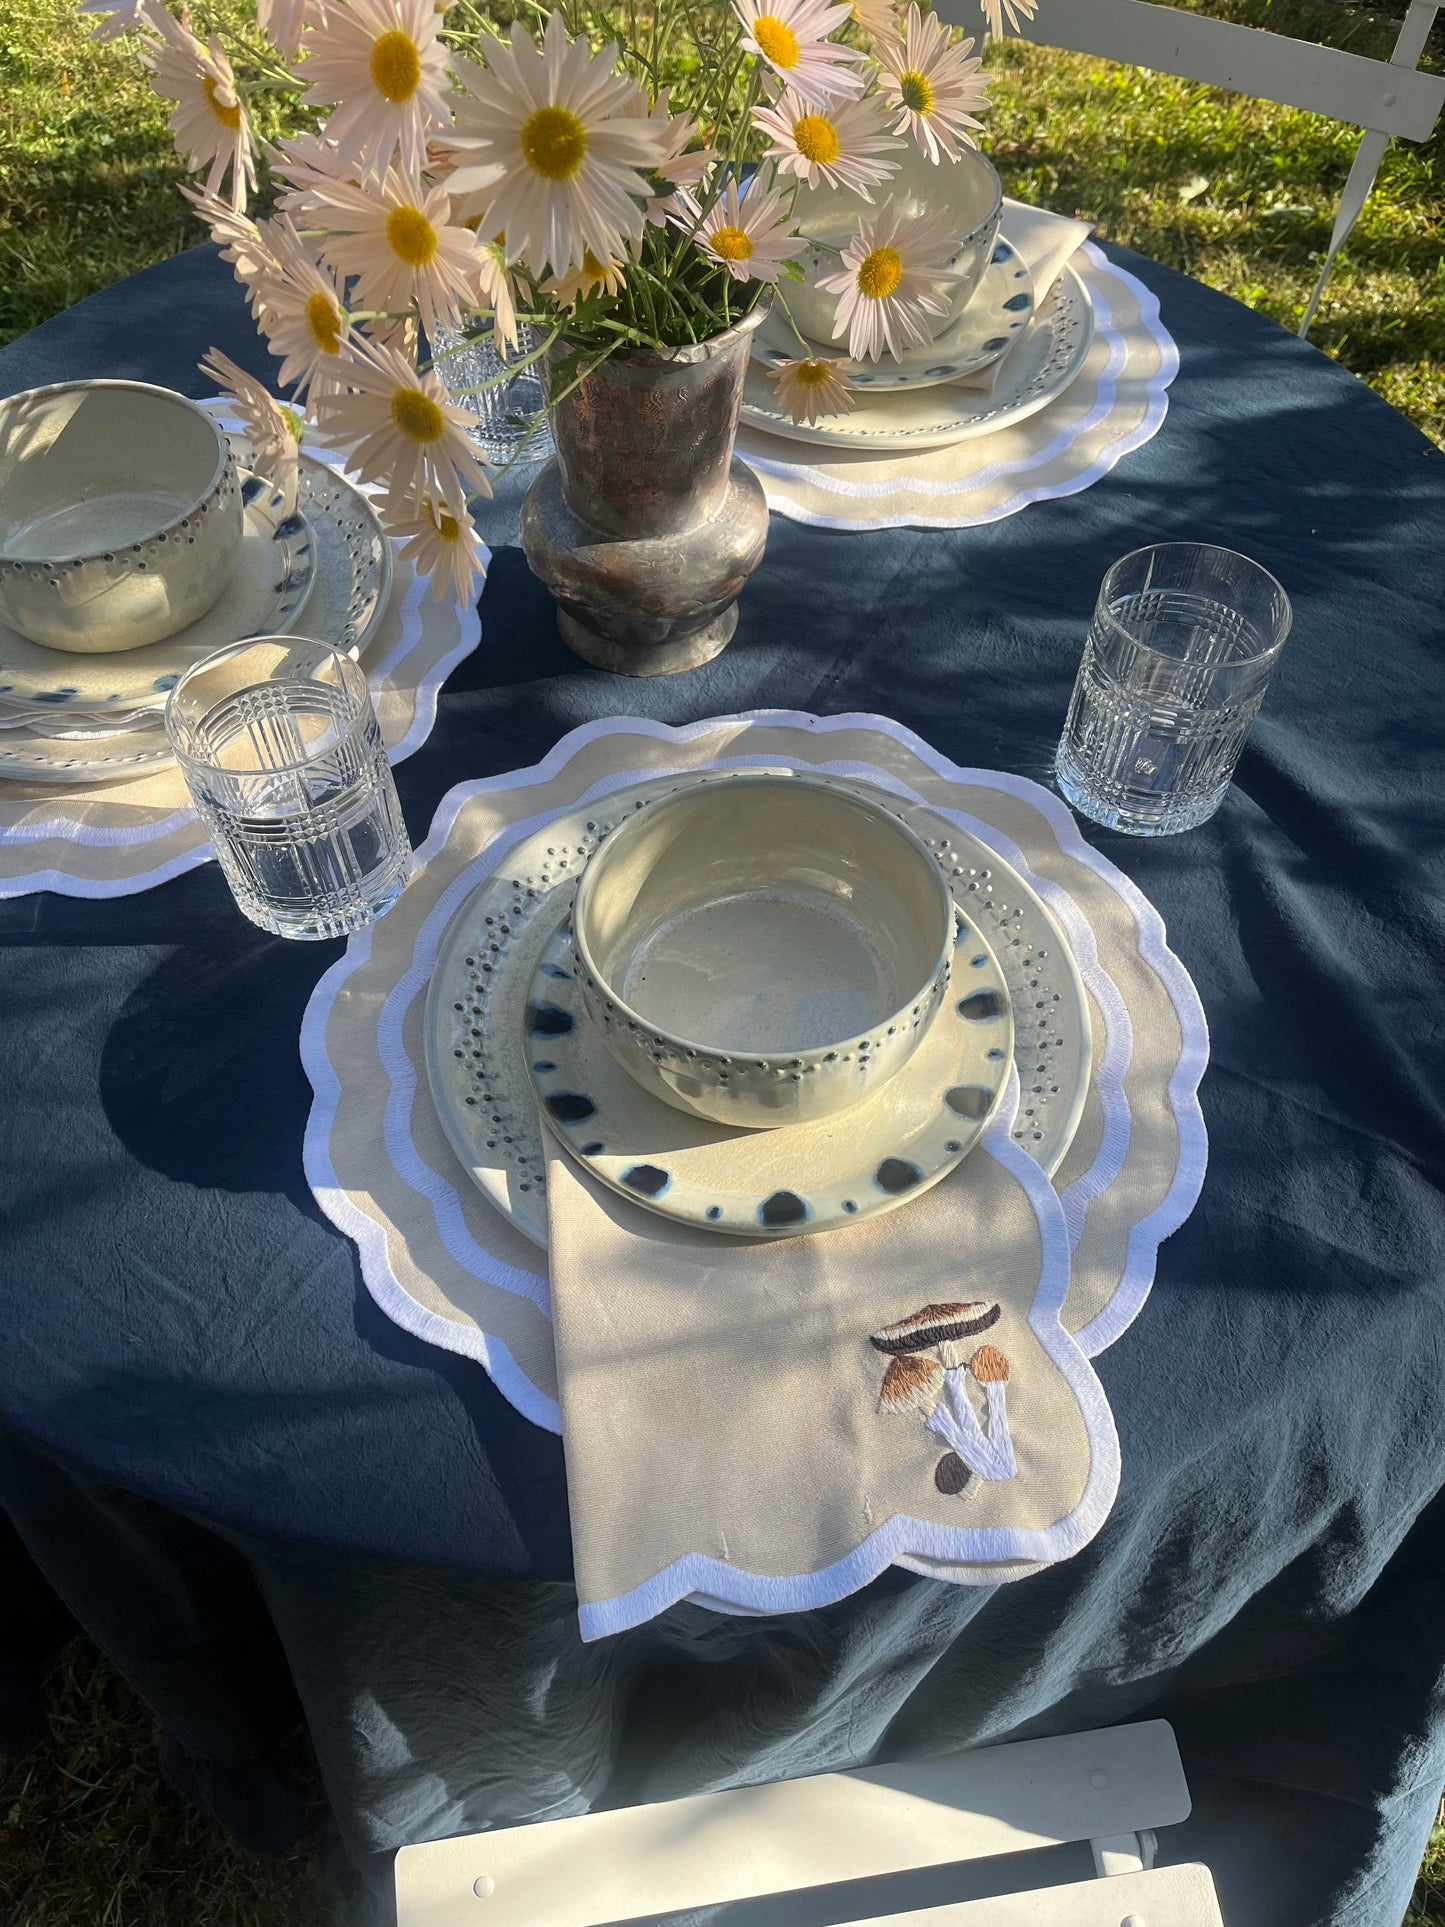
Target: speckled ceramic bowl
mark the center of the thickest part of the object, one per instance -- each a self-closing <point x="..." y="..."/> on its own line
<point x="763" y="949"/>
<point x="120" y="514"/>
<point x="967" y="190"/>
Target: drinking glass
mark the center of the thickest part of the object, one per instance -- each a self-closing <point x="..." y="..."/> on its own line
<point x="1179" y="655"/>
<point x="504" y="412"/>
<point x="278" y="743"/>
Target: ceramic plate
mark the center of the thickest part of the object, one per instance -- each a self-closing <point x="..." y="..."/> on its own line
<point x="799" y="1178"/>
<point x="1048" y="355"/>
<point x="478" y="992"/>
<point x="350" y="587"/>
<point x="274" y="573"/>
<point x="992" y="320"/>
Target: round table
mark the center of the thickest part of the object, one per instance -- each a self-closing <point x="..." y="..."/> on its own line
<point x="210" y="1437"/>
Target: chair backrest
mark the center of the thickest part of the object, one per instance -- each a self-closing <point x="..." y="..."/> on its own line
<point x="1108" y="1787"/>
<point x="1383" y="97"/>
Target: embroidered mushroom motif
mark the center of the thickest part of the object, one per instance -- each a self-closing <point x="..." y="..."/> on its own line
<point x="928" y="1372"/>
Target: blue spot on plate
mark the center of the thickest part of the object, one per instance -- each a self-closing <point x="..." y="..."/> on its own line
<point x="165" y="682"/>
<point x="1017" y="302"/>
<point x="994" y="343"/>
<point x="1001" y="252"/>
<point x="941" y="374"/>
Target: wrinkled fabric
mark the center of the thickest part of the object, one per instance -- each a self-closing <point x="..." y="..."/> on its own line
<point x="229" y="1465"/>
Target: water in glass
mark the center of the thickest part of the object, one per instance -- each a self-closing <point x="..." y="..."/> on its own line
<point x="1175" y="668"/>
<point x="290" y="777"/>
<point x="506" y="410"/>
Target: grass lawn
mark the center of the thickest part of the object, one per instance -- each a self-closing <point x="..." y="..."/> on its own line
<point x="1235" y="192"/>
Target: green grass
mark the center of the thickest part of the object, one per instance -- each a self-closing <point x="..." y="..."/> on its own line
<point x="1232" y="190"/>
<point x="87" y="1839"/>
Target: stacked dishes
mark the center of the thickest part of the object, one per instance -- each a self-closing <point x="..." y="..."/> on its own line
<point x="133" y="542"/>
<point x="771" y="1006"/>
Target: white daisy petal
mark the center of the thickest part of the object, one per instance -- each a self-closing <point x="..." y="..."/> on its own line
<point x="812" y="387"/>
<point x="209" y="122"/>
<point x="439" y="541"/>
<point x="383" y="62"/>
<point x="749" y="233"/>
<point x="843" y="144"/>
<point x="891" y="282"/>
<point x="269" y="427"/>
<point x="931" y="84"/>
<point x="398" y="242"/>
<point x="791" y="36"/>
<point x="404" y="427"/>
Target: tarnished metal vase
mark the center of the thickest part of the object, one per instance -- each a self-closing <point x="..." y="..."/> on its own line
<point x="645" y="527"/>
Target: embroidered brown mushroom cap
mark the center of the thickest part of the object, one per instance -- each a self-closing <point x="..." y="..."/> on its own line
<point x="936" y="1325"/>
<point x="911" y="1380"/>
<point x="989" y="1366"/>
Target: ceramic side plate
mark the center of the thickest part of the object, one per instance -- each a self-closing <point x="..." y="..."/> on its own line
<point x="476" y="1001"/>
<point x="988" y="327"/>
<point x="350" y="587"/>
<point x="799" y="1178"/>
<point x="1048" y="355"/>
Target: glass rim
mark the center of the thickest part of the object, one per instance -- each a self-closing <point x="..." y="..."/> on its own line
<point x="192" y="761"/>
<point x="1101" y="607"/>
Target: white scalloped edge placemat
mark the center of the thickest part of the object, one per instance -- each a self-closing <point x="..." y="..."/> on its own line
<point x="445" y="1265"/>
<point x="114" y="839"/>
<point x="1116" y="403"/>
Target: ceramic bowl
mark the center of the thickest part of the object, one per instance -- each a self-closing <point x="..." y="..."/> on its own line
<point x="968" y="191"/>
<point x="120" y="514"/>
<point x="763" y="949"/>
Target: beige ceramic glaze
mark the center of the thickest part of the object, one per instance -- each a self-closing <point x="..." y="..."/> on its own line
<point x="763" y="949"/>
<point x="812" y="1175"/>
<point x="120" y="514"/>
<point x="968" y="192"/>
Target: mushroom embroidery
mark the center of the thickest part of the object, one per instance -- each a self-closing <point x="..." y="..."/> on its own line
<point x="928" y="1372"/>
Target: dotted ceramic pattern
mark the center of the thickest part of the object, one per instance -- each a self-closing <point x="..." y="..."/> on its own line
<point x="1046" y="359"/>
<point x="799" y="1178"/>
<point x="334" y="583"/>
<point x="475" y="1011"/>
<point x="985" y="329"/>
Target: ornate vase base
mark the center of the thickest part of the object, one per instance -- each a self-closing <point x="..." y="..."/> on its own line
<point x="648" y="606"/>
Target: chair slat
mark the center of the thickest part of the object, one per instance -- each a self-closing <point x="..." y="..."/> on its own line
<point x="1165" y="1897"/>
<point x="1296" y="73"/>
<point x="812" y="1832"/>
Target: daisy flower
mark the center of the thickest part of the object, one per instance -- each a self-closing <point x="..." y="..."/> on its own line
<point x="382" y="60"/>
<point x="281" y="21"/>
<point x="240" y="240"/>
<point x="879" y="18"/>
<point x="750" y="234"/>
<point x="570" y="287"/>
<point x="1016" y="10"/>
<point x="678" y="172"/>
<point x="209" y="122"/>
<point x="304" y="162"/>
<point x="840" y="144"/>
<point x="812" y="387"/>
<point x="441" y="542"/>
<point x="560" y="145"/>
<point x="889" y="281"/>
<point x="792" y="37"/>
<point x="495" y="291"/>
<point x="117" y="16"/>
<point x="403" y="427"/>
<point x="269" y="427"/>
<point x="932" y="84"/>
<point x="301" y="312"/>
<point x="397" y="241"/>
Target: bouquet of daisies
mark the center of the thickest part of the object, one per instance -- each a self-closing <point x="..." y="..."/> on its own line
<point x="617" y="179"/>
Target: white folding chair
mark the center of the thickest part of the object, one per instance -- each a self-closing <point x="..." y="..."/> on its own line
<point x="1111" y="1788"/>
<point x="1382" y="97"/>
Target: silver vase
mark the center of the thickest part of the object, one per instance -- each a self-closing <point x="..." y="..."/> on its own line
<point x="645" y="527"/>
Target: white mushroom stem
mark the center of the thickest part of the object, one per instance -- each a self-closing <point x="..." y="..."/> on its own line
<point x="990" y="1454"/>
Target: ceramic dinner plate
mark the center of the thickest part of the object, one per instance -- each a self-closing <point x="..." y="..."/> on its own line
<point x="799" y="1178"/>
<point x="269" y="586"/>
<point x="477" y="997"/>
<point x="992" y="320"/>
<point x="349" y="590"/>
<point x="1048" y="354"/>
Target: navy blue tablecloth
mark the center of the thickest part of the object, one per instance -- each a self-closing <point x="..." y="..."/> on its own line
<point x="233" y="1469"/>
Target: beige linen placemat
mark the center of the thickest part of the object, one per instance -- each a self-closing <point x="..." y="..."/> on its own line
<point x="1115" y="404"/>
<point x="442" y="1262"/>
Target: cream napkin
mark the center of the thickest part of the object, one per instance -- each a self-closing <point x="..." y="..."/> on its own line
<point x="1043" y="242"/>
<point x="742" y="1425"/>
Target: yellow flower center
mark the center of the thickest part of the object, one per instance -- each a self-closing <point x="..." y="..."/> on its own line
<point x="776" y="40"/>
<point x="554" y="142"/>
<point x="395" y="65"/>
<point x="323" y="322"/>
<point x="411" y="236"/>
<point x="446" y="526"/>
<point x="732" y="244"/>
<point x="812" y="374"/>
<point x="816" y="138"/>
<point x="227" y="116"/>
<point x="879" y="273"/>
<point x="917" y="91"/>
<point x="417" y="415"/>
